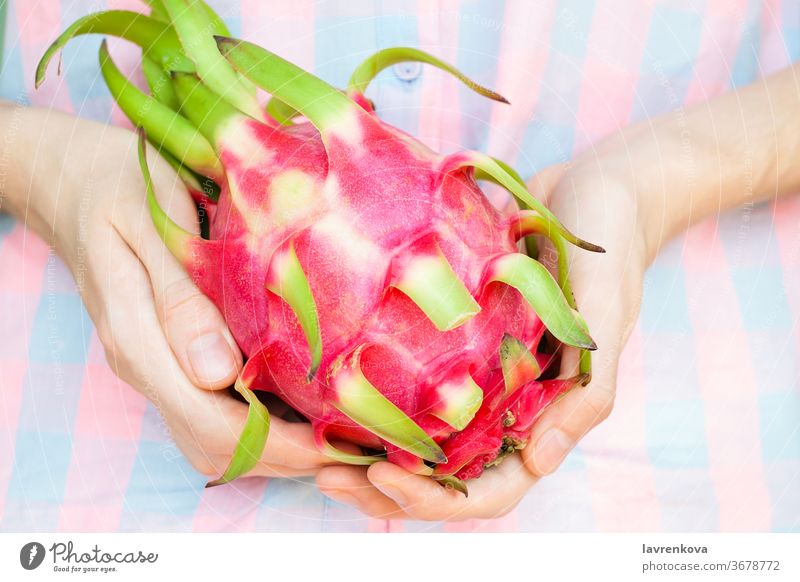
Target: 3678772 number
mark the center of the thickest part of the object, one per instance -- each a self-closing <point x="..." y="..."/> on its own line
<point x="755" y="565"/>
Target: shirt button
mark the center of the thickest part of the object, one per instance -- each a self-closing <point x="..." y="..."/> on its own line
<point x="407" y="72"/>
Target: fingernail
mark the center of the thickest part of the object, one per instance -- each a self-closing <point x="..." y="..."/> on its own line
<point x="393" y="493"/>
<point x="550" y="451"/>
<point x="211" y="358"/>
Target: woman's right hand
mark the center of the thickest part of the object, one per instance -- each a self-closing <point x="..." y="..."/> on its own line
<point x="78" y="185"/>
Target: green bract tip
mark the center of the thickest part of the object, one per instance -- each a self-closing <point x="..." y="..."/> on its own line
<point x="289" y="282"/>
<point x="541" y="291"/>
<point x="385" y="58"/>
<point x="431" y="283"/>
<point x="492" y="169"/>
<point x="359" y="400"/>
<point x="158" y="40"/>
<point x="253" y="438"/>
<point x="452" y="482"/>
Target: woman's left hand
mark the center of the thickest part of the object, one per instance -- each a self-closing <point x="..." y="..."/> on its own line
<point x="608" y="289"/>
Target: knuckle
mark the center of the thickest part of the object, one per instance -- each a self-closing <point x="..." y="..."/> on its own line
<point x="183" y="304"/>
<point x="601" y="402"/>
<point x="180" y="295"/>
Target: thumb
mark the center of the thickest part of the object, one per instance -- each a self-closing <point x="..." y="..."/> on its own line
<point x="196" y="332"/>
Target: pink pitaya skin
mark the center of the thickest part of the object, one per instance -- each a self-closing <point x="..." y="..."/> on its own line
<point x="367" y="279"/>
<point x="376" y="203"/>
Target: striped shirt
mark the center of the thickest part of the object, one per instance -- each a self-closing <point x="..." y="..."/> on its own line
<point x="705" y="435"/>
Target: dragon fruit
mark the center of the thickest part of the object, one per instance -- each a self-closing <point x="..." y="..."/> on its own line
<point x="367" y="279"/>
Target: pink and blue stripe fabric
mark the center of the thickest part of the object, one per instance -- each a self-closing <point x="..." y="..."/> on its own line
<point x="706" y="432"/>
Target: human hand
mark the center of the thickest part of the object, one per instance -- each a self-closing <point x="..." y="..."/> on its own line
<point x="84" y="194"/>
<point x="602" y="208"/>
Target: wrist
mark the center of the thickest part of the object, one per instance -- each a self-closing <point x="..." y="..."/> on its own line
<point x="11" y="163"/>
<point x="21" y="190"/>
<point x="43" y="173"/>
<point x="613" y="180"/>
<point x="668" y="186"/>
<point x="664" y="173"/>
<point x="739" y="148"/>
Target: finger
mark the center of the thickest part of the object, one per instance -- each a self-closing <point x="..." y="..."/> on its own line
<point x="496" y="492"/>
<point x="195" y="329"/>
<point x="136" y="347"/>
<point x="292" y="445"/>
<point x="207" y="461"/>
<point x="350" y="485"/>
<point x="568" y="420"/>
<point x="216" y="421"/>
<point x="205" y="425"/>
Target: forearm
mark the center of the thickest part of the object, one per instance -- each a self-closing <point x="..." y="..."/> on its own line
<point x="23" y="149"/>
<point x="13" y="170"/>
<point x="742" y="147"/>
<point x="49" y="163"/>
